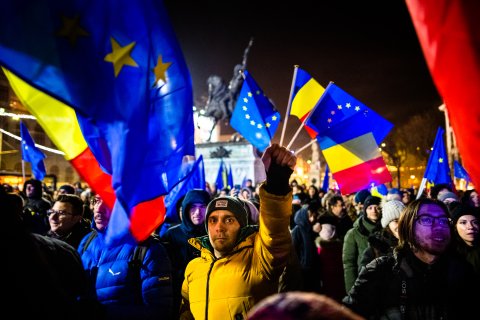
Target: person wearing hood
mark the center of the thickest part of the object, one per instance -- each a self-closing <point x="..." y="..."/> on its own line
<point x="35" y="207"/>
<point x="240" y="264"/>
<point x="193" y="209"/>
<point x="128" y="284"/>
<point x="303" y="237"/>
<point x="356" y="239"/>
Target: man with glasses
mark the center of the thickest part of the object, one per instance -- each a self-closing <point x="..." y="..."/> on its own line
<point x="423" y="279"/>
<point x="66" y="220"/>
<point x="336" y="212"/>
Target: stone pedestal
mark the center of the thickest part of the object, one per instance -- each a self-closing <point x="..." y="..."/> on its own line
<point x="240" y="156"/>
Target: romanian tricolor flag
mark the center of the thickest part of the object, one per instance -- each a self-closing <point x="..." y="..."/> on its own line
<point x="348" y="134"/>
<point x="306" y="93"/>
<point x="108" y="83"/>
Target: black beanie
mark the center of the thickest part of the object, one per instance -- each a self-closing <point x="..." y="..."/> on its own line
<point x="361" y="195"/>
<point x="232" y="204"/>
<point x="463" y="210"/>
<point x="371" y="200"/>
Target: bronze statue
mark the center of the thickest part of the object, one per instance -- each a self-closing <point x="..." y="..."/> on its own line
<point x="222" y="98"/>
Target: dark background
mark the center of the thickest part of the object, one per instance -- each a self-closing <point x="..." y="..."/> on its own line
<point x="368" y="48"/>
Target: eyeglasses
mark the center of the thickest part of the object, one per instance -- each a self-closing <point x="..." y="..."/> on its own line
<point x="427" y="221"/>
<point x="60" y="213"/>
<point x="96" y="201"/>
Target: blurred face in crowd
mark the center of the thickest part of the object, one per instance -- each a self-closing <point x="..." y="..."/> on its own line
<point x="197" y="213"/>
<point x="101" y="213"/>
<point x="337" y="208"/>
<point x="468" y="228"/>
<point x="406" y="198"/>
<point x="61" y="218"/>
<point x="31" y="190"/>
<point x="393" y="226"/>
<point x="373" y="212"/>
<point x="474" y="199"/>
<point x="223" y="230"/>
<point x="432" y="230"/>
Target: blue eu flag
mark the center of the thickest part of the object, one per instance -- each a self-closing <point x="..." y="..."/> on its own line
<point x="194" y="179"/>
<point x="254" y="116"/>
<point x="438" y="170"/>
<point x="460" y="172"/>
<point x="341" y="117"/>
<point x="30" y="153"/>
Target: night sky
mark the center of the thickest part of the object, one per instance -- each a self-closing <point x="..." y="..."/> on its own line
<point x="368" y="48"/>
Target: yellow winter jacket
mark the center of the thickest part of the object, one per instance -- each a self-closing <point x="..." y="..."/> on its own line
<point x="228" y="287"/>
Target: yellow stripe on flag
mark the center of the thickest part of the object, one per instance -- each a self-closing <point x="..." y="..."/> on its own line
<point x="351" y="153"/>
<point x="57" y="119"/>
<point x="306" y="98"/>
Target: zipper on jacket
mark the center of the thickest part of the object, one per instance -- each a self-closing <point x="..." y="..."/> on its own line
<point x="208" y="288"/>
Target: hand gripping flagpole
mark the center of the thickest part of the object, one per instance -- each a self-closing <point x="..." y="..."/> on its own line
<point x="289" y="105"/>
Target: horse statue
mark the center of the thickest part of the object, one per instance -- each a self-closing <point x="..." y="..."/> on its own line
<point x="222" y="98"/>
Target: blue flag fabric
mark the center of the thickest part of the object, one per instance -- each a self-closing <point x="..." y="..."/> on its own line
<point x="350" y="118"/>
<point x="254" y="116"/>
<point x="230" y="177"/>
<point x="326" y="179"/>
<point x="438" y="170"/>
<point x="222" y="176"/>
<point x="30" y="153"/>
<point x="194" y="179"/>
<point x="118" y="64"/>
<point x="459" y="171"/>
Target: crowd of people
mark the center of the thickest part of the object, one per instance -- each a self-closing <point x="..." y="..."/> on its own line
<point x="275" y="250"/>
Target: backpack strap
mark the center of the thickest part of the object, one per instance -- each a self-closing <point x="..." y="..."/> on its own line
<point x="91" y="236"/>
<point x="135" y="265"/>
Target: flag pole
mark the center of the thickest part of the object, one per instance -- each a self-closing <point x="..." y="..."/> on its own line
<point x="422" y="186"/>
<point x="305" y="146"/>
<point x="289" y="104"/>
<point x="23" y="171"/>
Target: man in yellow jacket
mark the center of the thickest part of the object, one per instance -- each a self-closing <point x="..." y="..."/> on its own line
<point x="240" y="264"/>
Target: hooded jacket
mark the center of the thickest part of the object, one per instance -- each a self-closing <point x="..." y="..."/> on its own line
<point x="35" y="209"/>
<point x="176" y="239"/>
<point x="303" y="238"/>
<point x="228" y="287"/>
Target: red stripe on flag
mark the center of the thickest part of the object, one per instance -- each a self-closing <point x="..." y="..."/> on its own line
<point x="90" y="171"/>
<point x="146" y="217"/>
<point x="312" y="133"/>
<point x="362" y="176"/>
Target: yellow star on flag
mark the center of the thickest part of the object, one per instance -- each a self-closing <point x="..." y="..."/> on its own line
<point x="71" y="29"/>
<point x="120" y="56"/>
<point x="160" y="70"/>
<point x="440" y="160"/>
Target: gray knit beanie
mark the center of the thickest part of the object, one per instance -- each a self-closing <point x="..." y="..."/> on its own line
<point x="390" y="211"/>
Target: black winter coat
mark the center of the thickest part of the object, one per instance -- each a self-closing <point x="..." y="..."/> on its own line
<point x="400" y="281"/>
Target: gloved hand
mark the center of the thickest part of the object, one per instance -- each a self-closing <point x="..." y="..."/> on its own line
<point x="279" y="164"/>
